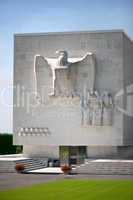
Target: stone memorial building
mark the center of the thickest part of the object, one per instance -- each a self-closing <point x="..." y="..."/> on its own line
<point x="73" y="94"/>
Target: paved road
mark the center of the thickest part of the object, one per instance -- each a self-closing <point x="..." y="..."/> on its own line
<point x="12" y="180"/>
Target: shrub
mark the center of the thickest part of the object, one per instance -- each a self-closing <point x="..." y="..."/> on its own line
<point x="6" y="145"/>
<point x="66" y="169"/>
<point x="20" y="167"/>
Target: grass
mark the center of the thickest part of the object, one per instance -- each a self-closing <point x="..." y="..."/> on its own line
<point x="70" y="189"/>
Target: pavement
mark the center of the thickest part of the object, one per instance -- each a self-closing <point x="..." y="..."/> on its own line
<point x="47" y="170"/>
<point x="14" y="180"/>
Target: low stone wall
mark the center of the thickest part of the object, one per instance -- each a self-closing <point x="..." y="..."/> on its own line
<point x="106" y="167"/>
<point x="7" y="166"/>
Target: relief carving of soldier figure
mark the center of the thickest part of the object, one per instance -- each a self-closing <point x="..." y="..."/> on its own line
<point x="94" y="109"/>
<point x="98" y="110"/>
<point x="107" y="108"/>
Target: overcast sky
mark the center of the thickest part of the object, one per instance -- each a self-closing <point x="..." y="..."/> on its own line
<point x="20" y="16"/>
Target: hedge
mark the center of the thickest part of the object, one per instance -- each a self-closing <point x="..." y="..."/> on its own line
<point x="6" y="145"/>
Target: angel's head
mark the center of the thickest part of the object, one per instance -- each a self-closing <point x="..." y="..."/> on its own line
<point x="63" y="56"/>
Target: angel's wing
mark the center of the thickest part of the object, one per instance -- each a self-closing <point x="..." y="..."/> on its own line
<point x="83" y="74"/>
<point x="43" y="78"/>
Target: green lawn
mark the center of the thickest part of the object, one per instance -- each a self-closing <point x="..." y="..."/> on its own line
<point x="73" y="189"/>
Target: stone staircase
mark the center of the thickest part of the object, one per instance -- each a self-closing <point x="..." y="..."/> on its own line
<point x="105" y="167"/>
<point x="33" y="163"/>
<point x="30" y="164"/>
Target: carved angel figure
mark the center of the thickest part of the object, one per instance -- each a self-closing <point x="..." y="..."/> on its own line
<point x="63" y="76"/>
